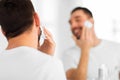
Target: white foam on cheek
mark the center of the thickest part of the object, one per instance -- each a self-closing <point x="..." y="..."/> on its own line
<point x="88" y="24"/>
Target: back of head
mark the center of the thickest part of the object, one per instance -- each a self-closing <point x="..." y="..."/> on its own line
<point x="16" y="16"/>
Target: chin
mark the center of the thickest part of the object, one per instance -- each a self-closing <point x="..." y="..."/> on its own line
<point x="77" y="37"/>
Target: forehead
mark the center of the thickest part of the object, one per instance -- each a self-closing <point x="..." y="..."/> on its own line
<point x="78" y="14"/>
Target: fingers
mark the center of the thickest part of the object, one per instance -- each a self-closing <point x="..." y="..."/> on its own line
<point x="86" y="33"/>
<point x="83" y="33"/>
<point x="89" y="30"/>
<point x="47" y="33"/>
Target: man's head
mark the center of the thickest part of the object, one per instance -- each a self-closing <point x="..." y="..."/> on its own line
<point x="78" y="16"/>
<point x="17" y="17"/>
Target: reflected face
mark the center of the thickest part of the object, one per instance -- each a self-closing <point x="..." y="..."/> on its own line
<point x="77" y="22"/>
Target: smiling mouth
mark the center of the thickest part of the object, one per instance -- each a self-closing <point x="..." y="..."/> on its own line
<point x="77" y="32"/>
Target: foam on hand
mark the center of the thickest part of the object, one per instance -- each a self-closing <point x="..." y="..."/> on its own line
<point x="88" y="24"/>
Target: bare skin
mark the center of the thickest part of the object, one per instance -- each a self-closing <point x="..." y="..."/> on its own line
<point x="87" y="40"/>
<point x="30" y="38"/>
<point x="48" y="45"/>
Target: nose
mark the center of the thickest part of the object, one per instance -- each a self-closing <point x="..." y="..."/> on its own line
<point x="74" y="25"/>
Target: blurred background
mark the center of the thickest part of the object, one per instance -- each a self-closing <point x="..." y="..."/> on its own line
<point x="55" y="14"/>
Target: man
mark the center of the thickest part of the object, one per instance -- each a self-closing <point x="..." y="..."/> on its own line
<point x="23" y="58"/>
<point x="81" y="65"/>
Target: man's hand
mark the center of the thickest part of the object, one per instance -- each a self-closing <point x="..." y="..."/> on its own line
<point x="86" y="40"/>
<point x="48" y="46"/>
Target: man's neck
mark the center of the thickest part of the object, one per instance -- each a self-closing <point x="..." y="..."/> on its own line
<point x="97" y="41"/>
<point x="28" y="40"/>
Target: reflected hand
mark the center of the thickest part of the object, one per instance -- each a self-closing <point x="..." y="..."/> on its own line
<point x="86" y="40"/>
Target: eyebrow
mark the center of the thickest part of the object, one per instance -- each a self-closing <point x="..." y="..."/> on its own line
<point x="74" y="17"/>
<point x="77" y="16"/>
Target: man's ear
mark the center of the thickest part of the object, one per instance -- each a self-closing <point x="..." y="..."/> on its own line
<point x="37" y="20"/>
<point x="37" y="23"/>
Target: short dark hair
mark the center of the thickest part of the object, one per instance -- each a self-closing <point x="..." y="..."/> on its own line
<point x="16" y="16"/>
<point x="87" y="11"/>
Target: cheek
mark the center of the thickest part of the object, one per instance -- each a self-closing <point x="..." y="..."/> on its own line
<point x="82" y="22"/>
